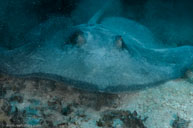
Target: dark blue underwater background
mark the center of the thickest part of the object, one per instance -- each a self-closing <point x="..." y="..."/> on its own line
<point x="165" y="18"/>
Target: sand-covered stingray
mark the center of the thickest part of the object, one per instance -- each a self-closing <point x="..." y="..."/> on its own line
<point x="106" y="54"/>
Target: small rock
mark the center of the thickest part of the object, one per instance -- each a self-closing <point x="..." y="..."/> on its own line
<point x="49" y="124"/>
<point x="2" y="91"/>
<point x="100" y="123"/>
<point x="6" y="107"/>
<point x="55" y="104"/>
<point x="125" y="119"/>
<point x="2" y="77"/>
<point x="33" y="121"/>
<point x="3" y="124"/>
<point x="16" y="97"/>
<point x="17" y="118"/>
<point x="63" y="125"/>
<point x="30" y="111"/>
<point x="180" y="123"/>
<point x="66" y="110"/>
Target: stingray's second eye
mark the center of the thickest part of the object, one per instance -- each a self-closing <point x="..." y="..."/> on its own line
<point x="77" y="38"/>
<point x="119" y="43"/>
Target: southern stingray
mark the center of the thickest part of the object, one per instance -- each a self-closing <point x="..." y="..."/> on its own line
<point x="106" y="54"/>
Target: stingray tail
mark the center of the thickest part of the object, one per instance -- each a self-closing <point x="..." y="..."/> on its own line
<point x="99" y="14"/>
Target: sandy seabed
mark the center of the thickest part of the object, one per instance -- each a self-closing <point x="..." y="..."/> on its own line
<point x="26" y="102"/>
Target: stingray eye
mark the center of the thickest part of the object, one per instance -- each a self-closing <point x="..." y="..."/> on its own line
<point x="119" y="43"/>
<point x="77" y="38"/>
